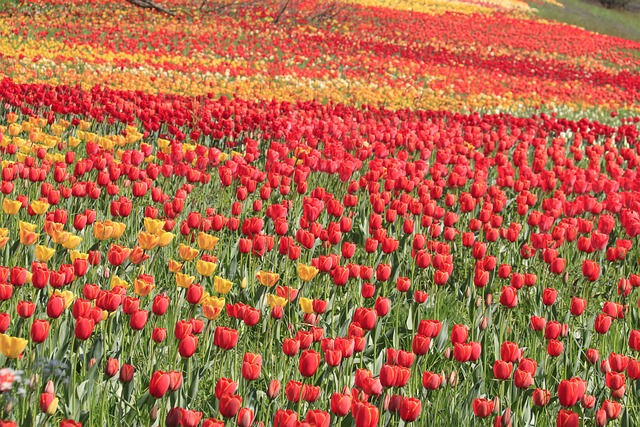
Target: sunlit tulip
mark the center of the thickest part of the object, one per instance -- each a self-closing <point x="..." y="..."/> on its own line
<point x="11" y="347"/>
<point x="222" y="286"/>
<point x="267" y="278"/>
<point x="307" y="272"/>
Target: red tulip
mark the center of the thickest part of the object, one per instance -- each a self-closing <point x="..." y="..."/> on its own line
<point x="567" y="419"/>
<point x="340" y="404"/>
<point x="39" y="330"/>
<point x="309" y="362"/>
<point x="365" y="415"/>
<point x="251" y="366"/>
<point x="159" y="384"/>
<point x="229" y="405"/>
<point x="482" y="408"/>
<point x="410" y="409"/>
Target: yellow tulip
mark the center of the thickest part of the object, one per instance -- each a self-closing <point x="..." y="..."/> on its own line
<point x="11" y="207"/>
<point x="11" y="347"/>
<point x="205" y="268"/>
<point x="43" y="253"/>
<point x="39" y="207"/>
<point x="118" y="229"/>
<point x="102" y="230"/>
<point x="3" y="241"/>
<point x="187" y="253"/>
<point x="60" y="236"/>
<point x="84" y="125"/>
<point x="222" y="286"/>
<point x="214" y="301"/>
<point x="142" y="287"/>
<point x="276" y="301"/>
<point x="12" y="117"/>
<point x="306" y="304"/>
<point x="153" y="226"/>
<point x="212" y="307"/>
<point x="207" y="242"/>
<point x="147" y="241"/>
<point x="164" y="238"/>
<point x="4" y="232"/>
<point x="15" y="129"/>
<point x="74" y="142"/>
<point x="307" y="272"/>
<point x="184" y="280"/>
<point x="267" y="278"/>
<point x="74" y="255"/>
<point x="72" y="242"/>
<point x="118" y="282"/>
<point x="174" y="266"/>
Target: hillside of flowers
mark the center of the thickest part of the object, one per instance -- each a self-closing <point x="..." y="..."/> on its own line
<point x="416" y="213"/>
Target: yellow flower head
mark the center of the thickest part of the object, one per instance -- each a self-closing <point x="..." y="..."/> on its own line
<point x="147" y="241"/>
<point x="307" y="272"/>
<point x="222" y="286"/>
<point x="11" y="207"/>
<point x="207" y="242"/>
<point x="11" y="347"/>
<point x="306" y="304"/>
<point x="267" y="278"/>
<point x="153" y="226"/>
<point x="43" y="253"/>
<point x="39" y="207"/>
<point x="205" y="268"/>
<point x="72" y="242"/>
<point x="118" y="229"/>
<point x="164" y="238"/>
<point x="210" y="311"/>
<point x="142" y="287"/>
<point x="175" y="266"/>
<point x="187" y="253"/>
<point x="276" y="301"/>
<point x="102" y="230"/>
<point x="74" y="255"/>
<point x="118" y="282"/>
<point x="184" y="280"/>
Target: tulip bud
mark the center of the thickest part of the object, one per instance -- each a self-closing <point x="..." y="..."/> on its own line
<point x="447" y="353"/>
<point x="50" y="387"/>
<point x="33" y="382"/>
<point x="478" y="302"/>
<point x="484" y="323"/>
<point x="274" y="389"/>
<point x="453" y="379"/>
<point x="506" y="417"/>
<point x="488" y="299"/>
<point x="496" y="404"/>
<point x="153" y="413"/>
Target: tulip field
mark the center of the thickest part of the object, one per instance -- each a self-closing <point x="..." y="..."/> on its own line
<point x="414" y="213"/>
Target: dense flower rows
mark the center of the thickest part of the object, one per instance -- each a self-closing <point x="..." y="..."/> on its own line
<point x="454" y="61"/>
<point x="303" y="264"/>
<point x="336" y="241"/>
